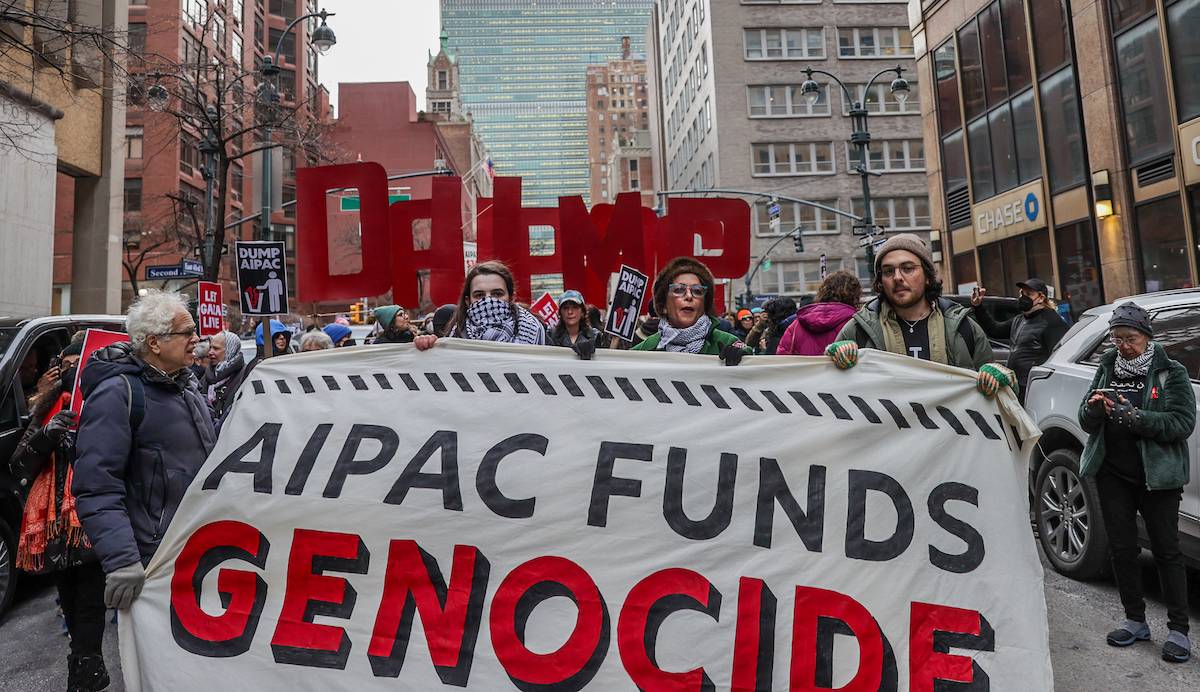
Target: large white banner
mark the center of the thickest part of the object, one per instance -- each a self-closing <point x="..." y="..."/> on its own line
<point x="494" y="517"/>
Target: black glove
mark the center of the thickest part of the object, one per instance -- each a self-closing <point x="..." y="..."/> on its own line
<point x="732" y="354"/>
<point x="1123" y="414"/>
<point x="584" y="348"/>
<point x="58" y="426"/>
<point x="1095" y="409"/>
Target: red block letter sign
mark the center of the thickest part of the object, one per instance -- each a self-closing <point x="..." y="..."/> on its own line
<point x="443" y="259"/>
<point x="721" y="223"/>
<point x="812" y="604"/>
<point x="504" y="236"/>
<point x="596" y="244"/>
<point x="928" y="660"/>
<point x="313" y="280"/>
<point x="648" y="604"/>
<point x="230" y="633"/>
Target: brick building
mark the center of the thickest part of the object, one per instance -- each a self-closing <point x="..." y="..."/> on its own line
<point x="618" y="121"/>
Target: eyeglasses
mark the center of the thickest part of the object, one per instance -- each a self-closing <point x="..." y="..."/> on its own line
<point x="680" y="290"/>
<point x="1125" y="340"/>
<point x="189" y="333"/>
<point x="908" y="269"/>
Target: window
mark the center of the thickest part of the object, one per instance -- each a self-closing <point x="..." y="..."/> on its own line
<point x="881" y="100"/>
<point x="787" y="278"/>
<point x="287" y="49"/>
<point x="784" y="44"/>
<point x="237" y="182"/>
<point x="896" y="213"/>
<point x="1183" y="27"/>
<point x="810" y="220"/>
<point x="1162" y="244"/>
<point x="190" y="50"/>
<point x="1126" y="13"/>
<point x="874" y="42"/>
<point x="287" y="8"/>
<point x="794" y="158"/>
<point x="133" y="194"/>
<point x="443" y="79"/>
<point x="892" y="155"/>
<point x="980" y="145"/>
<point x="1024" y="122"/>
<point x="289" y="199"/>
<point x="1178" y="332"/>
<point x="137" y="39"/>
<point x="1063" y="130"/>
<point x="287" y="84"/>
<point x="784" y="100"/>
<point x="1004" y="149"/>
<point x="1051" y="44"/>
<point x="237" y="48"/>
<point x="971" y="60"/>
<point x="189" y="154"/>
<point x="954" y="162"/>
<point x="239" y="11"/>
<point x="1008" y="261"/>
<point x="133" y="142"/>
<point x="1143" y="93"/>
<point x="1079" y="266"/>
<point x="440" y="107"/>
<point x="218" y="29"/>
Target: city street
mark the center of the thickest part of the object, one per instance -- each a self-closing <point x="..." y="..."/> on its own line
<point x="33" y="652"/>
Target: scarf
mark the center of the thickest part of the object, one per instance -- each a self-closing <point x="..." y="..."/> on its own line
<point x="498" y="320"/>
<point x="44" y="521"/>
<point x="1134" y="367"/>
<point x="688" y="340"/>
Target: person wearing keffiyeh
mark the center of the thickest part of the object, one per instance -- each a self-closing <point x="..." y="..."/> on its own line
<point x="683" y="297"/>
<point x="486" y="311"/>
<point x="52" y="539"/>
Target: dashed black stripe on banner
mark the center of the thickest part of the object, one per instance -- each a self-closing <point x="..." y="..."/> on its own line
<point x="909" y="415"/>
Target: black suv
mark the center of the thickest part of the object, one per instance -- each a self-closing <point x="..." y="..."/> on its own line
<point x="26" y="347"/>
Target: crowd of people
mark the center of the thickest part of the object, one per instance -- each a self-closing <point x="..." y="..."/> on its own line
<point x="102" y="497"/>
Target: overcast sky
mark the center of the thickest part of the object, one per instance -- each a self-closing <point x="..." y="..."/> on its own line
<point x="380" y="41"/>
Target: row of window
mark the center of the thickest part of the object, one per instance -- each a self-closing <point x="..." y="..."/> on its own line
<point x="816" y="158"/>
<point x="786" y="101"/>
<point x="689" y="143"/>
<point x="892" y="213"/>
<point x="794" y="278"/>
<point x="808" y="43"/>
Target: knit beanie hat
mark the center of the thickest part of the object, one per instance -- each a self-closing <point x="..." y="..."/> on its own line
<point x="384" y="315"/>
<point x="904" y="241"/>
<point x="337" y="332"/>
<point x="1131" y="315"/>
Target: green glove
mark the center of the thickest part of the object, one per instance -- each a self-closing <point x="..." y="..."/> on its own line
<point x="844" y="354"/>
<point x="991" y="377"/>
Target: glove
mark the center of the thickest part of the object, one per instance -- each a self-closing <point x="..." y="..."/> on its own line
<point x="123" y="585"/>
<point x="1124" y="414"/>
<point x="58" y="426"/>
<point x="584" y="348"/>
<point x="844" y="354"/>
<point x="992" y="377"/>
<point x="732" y="354"/>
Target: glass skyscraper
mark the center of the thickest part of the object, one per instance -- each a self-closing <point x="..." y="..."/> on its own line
<point x="522" y="69"/>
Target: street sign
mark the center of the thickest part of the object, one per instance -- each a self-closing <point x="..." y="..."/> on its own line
<point x="209" y="308"/>
<point x="773" y="209"/>
<point x="262" y="277"/>
<point x="166" y="271"/>
<point x="866" y="240"/>
<point x="773" y="214"/>
<point x="353" y="203"/>
<point x="192" y="267"/>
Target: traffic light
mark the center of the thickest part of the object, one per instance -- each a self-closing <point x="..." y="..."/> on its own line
<point x="799" y="240"/>
<point x="356" y="313"/>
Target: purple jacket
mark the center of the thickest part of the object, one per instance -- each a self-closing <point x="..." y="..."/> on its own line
<point x="815" y="327"/>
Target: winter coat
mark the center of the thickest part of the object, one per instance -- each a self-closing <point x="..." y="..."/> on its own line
<point x="385" y="337"/>
<point x="224" y="378"/>
<point x="559" y="337"/>
<point x="1166" y="420"/>
<point x="713" y="343"/>
<point x="1033" y="338"/>
<point x="815" y="327"/>
<point x="962" y="351"/>
<point x="129" y="482"/>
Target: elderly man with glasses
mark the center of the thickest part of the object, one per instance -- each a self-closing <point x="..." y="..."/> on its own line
<point x="144" y="433"/>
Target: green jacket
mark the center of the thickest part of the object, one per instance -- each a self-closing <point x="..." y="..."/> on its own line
<point x="713" y="343"/>
<point x="1162" y="427"/>
<point x="967" y="345"/>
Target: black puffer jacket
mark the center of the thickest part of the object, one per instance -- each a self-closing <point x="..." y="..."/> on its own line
<point x="559" y="336"/>
<point x="129" y="483"/>
<point x="1033" y="338"/>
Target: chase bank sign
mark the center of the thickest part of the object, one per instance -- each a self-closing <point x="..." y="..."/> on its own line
<point x="1010" y="213"/>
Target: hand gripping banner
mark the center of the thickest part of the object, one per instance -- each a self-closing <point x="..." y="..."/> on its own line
<point x="491" y="517"/>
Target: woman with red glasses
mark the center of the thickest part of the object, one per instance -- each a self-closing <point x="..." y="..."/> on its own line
<point x="683" y="299"/>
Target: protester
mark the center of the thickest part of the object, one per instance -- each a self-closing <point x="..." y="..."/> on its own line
<point x="910" y="317"/>
<point x="817" y="324"/>
<point x="1033" y="334"/>
<point x="315" y="341"/>
<point x="281" y="339"/>
<point x="144" y="433"/>
<point x="573" y="330"/>
<point x="486" y="310"/>
<point x="439" y="324"/>
<point x="221" y="379"/>
<point x="393" y="325"/>
<point x="744" y="323"/>
<point x="683" y="297"/>
<point x="200" y="358"/>
<point x="339" y="334"/>
<point x="778" y="315"/>
<point x="52" y="539"/>
<point x="1139" y="413"/>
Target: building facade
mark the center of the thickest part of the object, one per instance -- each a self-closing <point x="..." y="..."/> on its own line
<point x="729" y="114"/>
<point x="522" y="65"/>
<point x="618" y="122"/>
<point x="62" y="121"/>
<point x="1065" y="140"/>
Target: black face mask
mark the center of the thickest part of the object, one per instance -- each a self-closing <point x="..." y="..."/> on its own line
<point x="67" y="378"/>
<point x="1024" y="303"/>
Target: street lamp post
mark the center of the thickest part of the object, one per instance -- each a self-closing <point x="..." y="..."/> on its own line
<point x="860" y="137"/>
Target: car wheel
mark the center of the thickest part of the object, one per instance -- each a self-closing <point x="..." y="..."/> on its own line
<point x="1068" y="518"/>
<point x="8" y="566"/>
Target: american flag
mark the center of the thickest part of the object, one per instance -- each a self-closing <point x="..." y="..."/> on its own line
<point x="491" y="168"/>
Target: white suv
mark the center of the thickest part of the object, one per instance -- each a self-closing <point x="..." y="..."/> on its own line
<point x="1066" y="508"/>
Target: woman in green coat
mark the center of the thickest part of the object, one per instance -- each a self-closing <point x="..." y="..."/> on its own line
<point x="683" y="299"/>
<point x="1139" y="414"/>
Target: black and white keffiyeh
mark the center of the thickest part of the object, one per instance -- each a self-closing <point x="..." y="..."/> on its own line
<point x="1134" y="367"/>
<point x="688" y="340"/>
<point x="497" y="320"/>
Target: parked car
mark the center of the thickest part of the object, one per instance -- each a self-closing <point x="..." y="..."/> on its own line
<point x="1000" y="309"/>
<point x="38" y="339"/>
<point x="1066" y="508"/>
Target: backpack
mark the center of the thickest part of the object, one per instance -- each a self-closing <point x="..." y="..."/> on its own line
<point x="964" y="329"/>
<point x="136" y="403"/>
